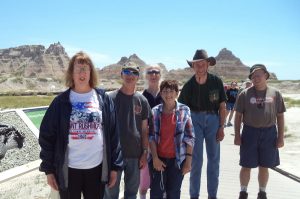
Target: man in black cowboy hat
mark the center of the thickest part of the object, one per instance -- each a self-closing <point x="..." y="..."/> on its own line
<point x="262" y="109"/>
<point x="204" y="94"/>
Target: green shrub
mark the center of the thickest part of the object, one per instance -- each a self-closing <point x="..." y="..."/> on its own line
<point x="289" y="102"/>
<point x="2" y="79"/>
<point x="30" y="85"/>
<point x="42" y="79"/>
<point x="18" y="80"/>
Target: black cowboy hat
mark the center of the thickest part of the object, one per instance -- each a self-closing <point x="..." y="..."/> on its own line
<point x="258" y="67"/>
<point x="202" y="55"/>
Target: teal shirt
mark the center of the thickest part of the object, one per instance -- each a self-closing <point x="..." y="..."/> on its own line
<point x="203" y="97"/>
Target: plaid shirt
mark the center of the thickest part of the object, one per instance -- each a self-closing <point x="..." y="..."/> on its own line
<point x="184" y="131"/>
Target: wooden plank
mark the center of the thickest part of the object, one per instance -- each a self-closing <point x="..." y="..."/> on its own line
<point x="279" y="186"/>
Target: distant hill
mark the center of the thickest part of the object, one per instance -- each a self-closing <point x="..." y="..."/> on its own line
<point x="34" y="61"/>
<point x="33" y="67"/>
<point x="110" y="75"/>
<point x="228" y="67"/>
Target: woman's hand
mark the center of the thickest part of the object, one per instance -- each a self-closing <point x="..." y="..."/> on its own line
<point x="143" y="161"/>
<point x="52" y="182"/>
<point x="112" y="179"/>
<point x="158" y="164"/>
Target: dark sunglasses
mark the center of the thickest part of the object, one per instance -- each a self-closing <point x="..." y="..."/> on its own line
<point x="150" y="72"/>
<point x="129" y="72"/>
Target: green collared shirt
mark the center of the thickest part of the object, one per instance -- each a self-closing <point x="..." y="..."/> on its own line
<point x="203" y="97"/>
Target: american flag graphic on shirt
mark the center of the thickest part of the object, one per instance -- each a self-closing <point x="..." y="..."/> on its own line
<point x="85" y="120"/>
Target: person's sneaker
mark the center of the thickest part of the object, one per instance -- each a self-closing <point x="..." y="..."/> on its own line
<point x="229" y="124"/>
<point x="262" y="195"/>
<point x="243" y="195"/>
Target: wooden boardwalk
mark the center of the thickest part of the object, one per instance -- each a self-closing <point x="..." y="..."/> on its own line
<point x="279" y="186"/>
<point x="29" y="185"/>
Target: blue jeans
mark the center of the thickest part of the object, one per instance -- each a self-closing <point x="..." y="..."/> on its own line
<point x="206" y="128"/>
<point x="168" y="181"/>
<point x="131" y="181"/>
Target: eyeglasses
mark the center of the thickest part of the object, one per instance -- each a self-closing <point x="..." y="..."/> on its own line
<point x="150" y="72"/>
<point x="81" y="69"/>
<point x="129" y="72"/>
<point x="257" y="75"/>
<point x="168" y="91"/>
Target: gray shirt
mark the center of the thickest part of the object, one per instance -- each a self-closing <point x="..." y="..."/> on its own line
<point x="260" y="108"/>
<point x="131" y="111"/>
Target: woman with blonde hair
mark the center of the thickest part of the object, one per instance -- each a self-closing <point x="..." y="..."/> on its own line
<point x="153" y="75"/>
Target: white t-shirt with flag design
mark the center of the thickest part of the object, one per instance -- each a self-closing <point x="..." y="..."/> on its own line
<point x="85" y="132"/>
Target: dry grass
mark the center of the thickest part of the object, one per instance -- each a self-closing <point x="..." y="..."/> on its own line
<point x="10" y="102"/>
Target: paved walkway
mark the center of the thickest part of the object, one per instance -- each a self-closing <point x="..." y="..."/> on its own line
<point x="279" y="186"/>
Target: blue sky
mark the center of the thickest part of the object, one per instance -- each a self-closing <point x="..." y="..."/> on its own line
<point x="256" y="31"/>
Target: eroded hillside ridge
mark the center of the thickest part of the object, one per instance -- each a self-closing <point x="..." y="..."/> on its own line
<point x="112" y="71"/>
<point x="34" y="61"/>
<point x="36" y="68"/>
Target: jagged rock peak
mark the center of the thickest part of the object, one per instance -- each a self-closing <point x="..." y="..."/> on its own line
<point x="123" y="61"/>
<point x="25" y="50"/>
<point x="134" y="56"/>
<point x="225" y="54"/>
<point x="56" y="49"/>
<point x="132" y="59"/>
